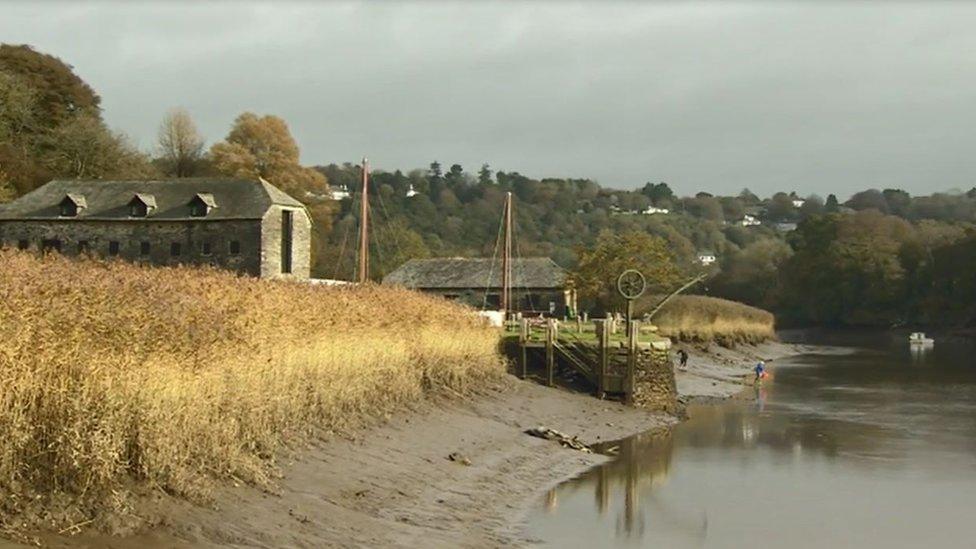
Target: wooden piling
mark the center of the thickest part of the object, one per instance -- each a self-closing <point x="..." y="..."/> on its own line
<point x="632" y="330"/>
<point x="603" y="342"/>
<point x="550" y="351"/>
<point x="523" y="341"/>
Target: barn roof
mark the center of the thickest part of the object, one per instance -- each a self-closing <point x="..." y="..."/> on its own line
<point x="109" y="200"/>
<point x="467" y="273"/>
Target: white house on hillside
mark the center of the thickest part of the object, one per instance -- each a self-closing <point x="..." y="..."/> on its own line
<point x="340" y="193"/>
<point x="707" y="258"/>
<point x="798" y="202"/>
<point x="749" y="221"/>
<point x="651" y="210"/>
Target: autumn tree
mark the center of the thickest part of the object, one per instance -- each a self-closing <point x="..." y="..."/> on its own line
<point x="596" y="273"/>
<point x="61" y="93"/>
<point x="51" y="125"/>
<point x="179" y="144"/>
<point x="262" y="146"/>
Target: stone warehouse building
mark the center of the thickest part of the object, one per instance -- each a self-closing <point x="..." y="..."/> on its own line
<point x="244" y="225"/>
<point x="538" y="283"/>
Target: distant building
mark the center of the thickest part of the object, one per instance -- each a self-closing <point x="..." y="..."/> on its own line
<point x="785" y="227"/>
<point x="798" y="202"/>
<point x="538" y="284"/>
<point x="651" y="210"/>
<point x="707" y="258"/>
<point x="244" y="225"/>
<point x="749" y="221"/>
<point x="340" y="193"/>
<point x="411" y="192"/>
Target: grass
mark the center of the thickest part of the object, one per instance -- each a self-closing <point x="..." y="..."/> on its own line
<point x="116" y="377"/>
<point x="703" y="319"/>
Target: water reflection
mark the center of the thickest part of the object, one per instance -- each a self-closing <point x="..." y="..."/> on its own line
<point x="821" y="444"/>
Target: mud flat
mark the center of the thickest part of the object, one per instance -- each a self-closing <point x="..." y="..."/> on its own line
<point x="718" y="373"/>
<point x="396" y="484"/>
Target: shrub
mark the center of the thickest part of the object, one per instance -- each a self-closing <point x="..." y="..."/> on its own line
<point x="114" y="375"/>
<point x="703" y="318"/>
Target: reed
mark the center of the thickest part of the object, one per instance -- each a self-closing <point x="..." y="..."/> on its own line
<point x="114" y="375"/>
<point x="704" y="319"/>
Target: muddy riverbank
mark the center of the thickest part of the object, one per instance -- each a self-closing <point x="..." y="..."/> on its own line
<point x="395" y="484"/>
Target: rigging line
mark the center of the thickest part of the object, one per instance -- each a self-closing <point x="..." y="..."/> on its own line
<point x="342" y="253"/>
<point x="376" y="235"/>
<point x="520" y="265"/>
<point x="359" y="235"/>
<point x="494" y="257"/>
<point x="389" y="220"/>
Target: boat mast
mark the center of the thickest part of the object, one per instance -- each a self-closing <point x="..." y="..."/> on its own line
<point x="364" y="227"/>
<point x="507" y="256"/>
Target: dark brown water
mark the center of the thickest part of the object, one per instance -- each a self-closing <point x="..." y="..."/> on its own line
<point x="872" y="448"/>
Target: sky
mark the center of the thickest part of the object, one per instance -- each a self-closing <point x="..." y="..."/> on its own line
<point x="816" y="97"/>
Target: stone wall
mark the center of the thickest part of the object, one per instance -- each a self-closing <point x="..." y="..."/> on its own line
<point x="654" y="386"/>
<point x="301" y="262"/>
<point x="198" y="242"/>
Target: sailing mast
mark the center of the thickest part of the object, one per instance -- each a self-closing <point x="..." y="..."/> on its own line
<point x="507" y="256"/>
<point x="364" y="227"/>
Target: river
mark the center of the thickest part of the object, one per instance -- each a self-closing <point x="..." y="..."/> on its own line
<point x="870" y="446"/>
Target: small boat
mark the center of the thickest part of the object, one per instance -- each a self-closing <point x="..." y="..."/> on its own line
<point x="918" y="338"/>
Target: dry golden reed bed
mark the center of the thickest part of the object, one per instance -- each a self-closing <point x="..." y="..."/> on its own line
<point x="703" y="318"/>
<point x="115" y="376"/>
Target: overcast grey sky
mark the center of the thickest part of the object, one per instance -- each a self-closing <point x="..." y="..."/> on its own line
<point x="813" y="97"/>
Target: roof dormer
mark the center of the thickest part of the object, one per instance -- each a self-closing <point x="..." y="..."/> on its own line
<point x="71" y="204"/>
<point x="201" y="204"/>
<point x="142" y="205"/>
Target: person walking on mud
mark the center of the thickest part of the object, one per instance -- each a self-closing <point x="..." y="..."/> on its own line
<point x="683" y="359"/>
<point x="760" y="371"/>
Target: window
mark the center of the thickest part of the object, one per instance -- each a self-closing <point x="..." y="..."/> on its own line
<point x="23" y="244"/>
<point x="286" y="230"/>
<point x="201" y="204"/>
<point x="205" y="248"/>
<point x="68" y="209"/>
<point x="51" y="245"/>
<point x="113" y="248"/>
<point x="175" y="249"/>
<point x="71" y="204"/>
<point x="144" y="248"/>
<point x="83" y="247"/>
<point x="235" y="247"/>
<point x="142" y="205"/>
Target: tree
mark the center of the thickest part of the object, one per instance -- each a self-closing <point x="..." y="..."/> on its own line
<point x="596" y="274"/>
<point x="867" y="200"/>
<point x="748" y="197"/>
<point x="898" y="202"/>
<point x="484" y="175"/>
<point x="262" y="146"/>
<point x="179" y="144"/>
<point x="61" y="93"/>
<point x="658" y="192"/>
<point x="84" y="148"/>
<point x="51" y="125"/>
<point x="831" y="206"/>
<point x="7" y="190"/>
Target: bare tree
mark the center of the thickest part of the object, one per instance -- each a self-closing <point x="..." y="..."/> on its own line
<point x="179" y="143"/>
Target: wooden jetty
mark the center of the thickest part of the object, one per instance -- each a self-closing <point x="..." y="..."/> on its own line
<point x="601" y="355"/>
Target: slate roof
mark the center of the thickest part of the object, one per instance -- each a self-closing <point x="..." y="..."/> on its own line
<point x="467" y="273"/>
<point x="109" y="200"/>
